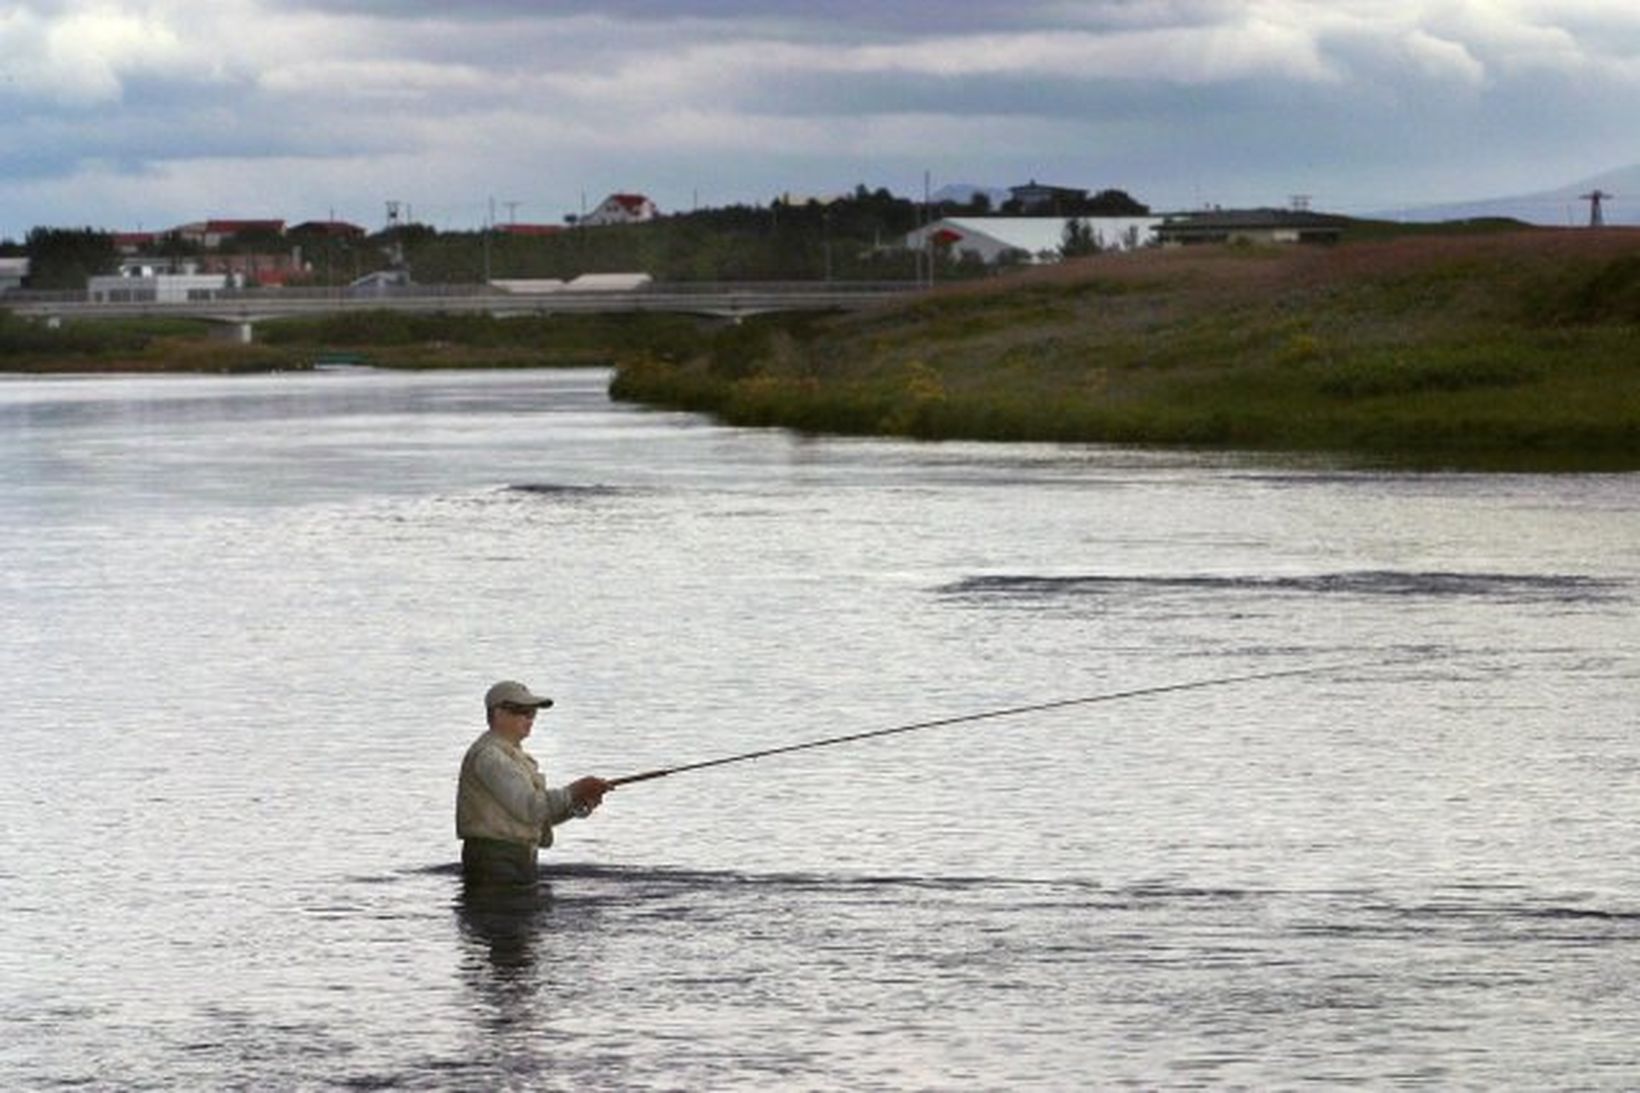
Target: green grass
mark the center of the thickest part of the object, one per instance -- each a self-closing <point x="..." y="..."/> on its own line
<point x="382" y="338"/>
<point x="1487" y="350"/>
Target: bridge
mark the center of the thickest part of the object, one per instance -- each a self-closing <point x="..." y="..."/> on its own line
<point x="239" y="310"/>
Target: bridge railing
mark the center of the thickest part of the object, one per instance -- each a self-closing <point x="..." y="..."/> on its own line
<point x="29" y="298"/>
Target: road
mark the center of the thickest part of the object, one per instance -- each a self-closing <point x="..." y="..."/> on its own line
<point x="249" y="306"/>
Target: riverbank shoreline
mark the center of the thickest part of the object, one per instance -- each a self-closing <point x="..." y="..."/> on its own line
<point x="379" y="339"/>
<point x="1518" y="351"/>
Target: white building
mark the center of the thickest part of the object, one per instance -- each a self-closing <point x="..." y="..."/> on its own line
<point x="155" y="288"/>
<point x="151" y="266"/>
<point x="529" y="286"/>
<point x="621" y="209"/>
<point x="12" y="272"/>
<point x="586" y="282"/>
<point x="1028" y="238"/>
<point x="609" y="282"/>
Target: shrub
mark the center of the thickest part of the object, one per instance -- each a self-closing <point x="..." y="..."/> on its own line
<point x="1432" y="370"/>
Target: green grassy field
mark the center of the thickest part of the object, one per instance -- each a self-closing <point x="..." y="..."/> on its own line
<point x="1505" y="351"/>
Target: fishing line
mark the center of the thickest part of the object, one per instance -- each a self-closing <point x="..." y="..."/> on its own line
<point x="1012" y="711"/>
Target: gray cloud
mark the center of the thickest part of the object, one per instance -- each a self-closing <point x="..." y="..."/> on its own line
<point x="822" y="18"/>
<point x="140" y="109"/>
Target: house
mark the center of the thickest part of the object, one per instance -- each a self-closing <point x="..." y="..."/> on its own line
<point x="12" y="273"/>
<point x="609" y="282"/>
<point x="992" y="239"/>
<point x="329" y="229"/>
<point x="1035" y="197"/>
<point x="529" y="286"/>
<point x="586" y="282"/>
<point x="621" y="209"/>
<point x="255" y="269"/>
<point x="129" y="243"/>
<point x="211" y="234"/>
<point x="152" y="265"/>
<point x="792" y="200"/>
<point x="1249" y="226"/>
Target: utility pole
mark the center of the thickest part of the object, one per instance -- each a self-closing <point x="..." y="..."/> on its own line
<point x="1597" y="219"/>
<point x="825" y="239"/>
<point x="928" y="236"/>
<point x="488" y="223"/>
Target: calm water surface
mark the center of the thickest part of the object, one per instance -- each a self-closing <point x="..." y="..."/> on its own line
<point x="248" y="623"/>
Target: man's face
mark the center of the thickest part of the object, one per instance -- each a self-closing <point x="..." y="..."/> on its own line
<point x="514" y="722"/>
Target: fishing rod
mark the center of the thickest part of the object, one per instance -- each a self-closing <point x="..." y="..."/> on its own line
<point x="1012" y="711"/>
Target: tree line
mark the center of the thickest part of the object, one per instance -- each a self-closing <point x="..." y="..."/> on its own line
<point x="856" y="237"/>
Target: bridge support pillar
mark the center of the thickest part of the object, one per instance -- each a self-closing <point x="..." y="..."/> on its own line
<point x="239" y="332"/>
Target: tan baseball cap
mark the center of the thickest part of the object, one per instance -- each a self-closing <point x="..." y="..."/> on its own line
<point x="510" y="692"/>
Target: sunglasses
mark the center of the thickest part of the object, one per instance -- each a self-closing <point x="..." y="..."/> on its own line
<point x="522" y="711"/>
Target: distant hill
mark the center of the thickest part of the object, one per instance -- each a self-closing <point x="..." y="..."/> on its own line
<point x="1563" y="206"/>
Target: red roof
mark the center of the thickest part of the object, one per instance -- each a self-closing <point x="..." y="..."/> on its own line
<point x="631" y="202"/>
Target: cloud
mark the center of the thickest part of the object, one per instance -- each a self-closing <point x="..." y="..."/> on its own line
<point x="82" y="57"/>
<point x="1229" y="99"/>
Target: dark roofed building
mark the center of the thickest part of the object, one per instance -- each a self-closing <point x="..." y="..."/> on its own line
<point x="330" y="229"/>
<point x="211" y="234"/>
<point x="1035" y="197"/>
<point x="1249" y="226"/>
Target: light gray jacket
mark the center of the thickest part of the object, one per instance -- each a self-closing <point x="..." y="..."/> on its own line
<point x="502" y="795"/>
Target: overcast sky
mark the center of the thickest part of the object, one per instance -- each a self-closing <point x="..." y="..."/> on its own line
<point x="122" y="114"/>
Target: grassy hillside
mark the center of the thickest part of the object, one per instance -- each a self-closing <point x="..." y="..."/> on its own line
<point x="1487" y="350"/>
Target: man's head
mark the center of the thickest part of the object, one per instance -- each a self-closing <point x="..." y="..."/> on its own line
<point x="510" y="708"/>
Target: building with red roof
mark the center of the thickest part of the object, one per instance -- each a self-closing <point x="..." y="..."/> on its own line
<point x="621" y="209"/>
<point x="211" y="234"/>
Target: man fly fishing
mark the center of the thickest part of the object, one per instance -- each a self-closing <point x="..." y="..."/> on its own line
<point x="505" y="811"/>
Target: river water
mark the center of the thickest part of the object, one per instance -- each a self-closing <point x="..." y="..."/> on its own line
<point x="248" y="624"/>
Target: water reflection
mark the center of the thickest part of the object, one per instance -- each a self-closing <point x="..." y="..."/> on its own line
<point x="505" y="920"/>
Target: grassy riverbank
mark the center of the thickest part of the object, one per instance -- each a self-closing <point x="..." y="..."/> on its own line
<point x="381" y="338"/>
<point x="1517" y="350"/>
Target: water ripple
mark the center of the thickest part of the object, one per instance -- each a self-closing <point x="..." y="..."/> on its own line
<point x="1506" y="587"/>
<point x="561" y="491"/>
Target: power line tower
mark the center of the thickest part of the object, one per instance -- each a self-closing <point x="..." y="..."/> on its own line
<point x="1597" y="219"/>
